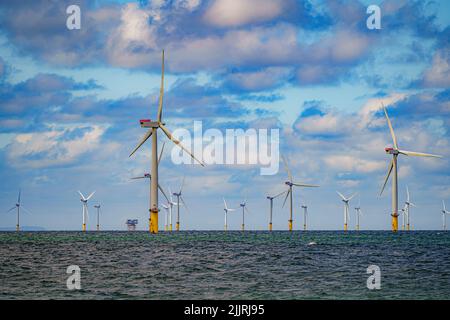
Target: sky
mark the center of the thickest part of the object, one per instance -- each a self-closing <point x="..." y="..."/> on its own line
<point x="71" y="100"/>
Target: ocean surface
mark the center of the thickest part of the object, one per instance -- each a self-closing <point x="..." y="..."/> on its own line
<point x="219" y="265"/>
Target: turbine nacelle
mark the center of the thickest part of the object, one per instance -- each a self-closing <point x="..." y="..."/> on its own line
<point x="148" y="123"/>
<point x="288" y="183"/>
<point x="390" y="150"/>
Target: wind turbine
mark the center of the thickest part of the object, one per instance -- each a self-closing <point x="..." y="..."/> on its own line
<point x="166" y="219"/>
<point x="408" y="204"/>
<point x="271" y="207"/>
<point x="179" y="197"/>
<point x="18" y="206"/>
<point x="395" y="152"/>
<point x="84" y="200"/>
<point x="243" y="205"/>
<point x="444" y="219"/>
<point x="290" y="183"/>
<point x="358" y="214"/>
<point x="153" y="127"/>
<point x="98" y="216"/>
<point x="226" y="209"/>
<point x="305" y="215"/>
<point x="403" y="217"/>
<point x="346" y="208"/>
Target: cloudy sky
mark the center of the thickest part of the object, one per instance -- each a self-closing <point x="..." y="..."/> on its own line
<point x="70" y="102"/>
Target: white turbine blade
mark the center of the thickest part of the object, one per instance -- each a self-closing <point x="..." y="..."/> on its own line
<point x="305" y="185"/>
<point x="90" y="196"/>
<point x="184" y="204"/>
<point x="25" y="209"/>
<point x="82" y="197"/>
<point x="11" y="209"/>
<point x="287" y="168"/>
<point x="245" y="208"/>
<point x="352" y="196"/>
<point x="391" y="166"/>
<point x="394" y="139"/>
<point x="341" y="195"/>
<point x="162" y="191"/>
<point x="178" y="143"/>
<point x="443" y="205"/>
<point x="161" y="153"/>
<point x="418" y="154"/>
<point x="407" y="193"/>
<point x="165" y="207"/>
<point x="279" y="194"/>
<point x="161" y="90"/>
<point x="229" y="210"/>
<point x="142" y="177"/>
<point x="182" y="184"/>
<point x="144" y="138"/>
<point x="225" y="203"/>
<point x="287" y="195"/>
<point x="18" y="199"/>
<point x="170" y="195"/>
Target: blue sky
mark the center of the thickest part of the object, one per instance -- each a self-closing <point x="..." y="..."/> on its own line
<point x="70" y="101"/>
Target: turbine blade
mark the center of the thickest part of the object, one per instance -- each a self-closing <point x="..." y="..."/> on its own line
<point x="287" y="168"/>
<point x="305" y="185"/>
<point x="394" y="139"/>
<point x="352" y="196"/>
<point x="90" y="195"/>
<point x="178" y="143"/>
<point x="143" y="177"/>
<point x="162" y="191"/>
<point x="279" y="194"/>
<point x="391" y="165"/>
<point x="18" y="199"/>
<point x="82" y="197"/>
<point x="161" y="153"/>
<point x="161" y="90"/>
<point x="225" y="203"/>
<point x="245" y="208"/>
<point x="407" y="193"/>
<point x="418" y="154"/>
<point x="144" y="138"/>
<point x="341" y="195"/>
<point x="287" y="195"/>
<point x="443" y="205"/>
<point x="184" y="204"/>
<point x="182" y="184"/>
<point x="11" y="209"/>
<point x="25" y="209"/>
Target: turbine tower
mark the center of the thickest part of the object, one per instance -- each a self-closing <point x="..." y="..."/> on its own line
<point x="290" y="183"/>
<point x="18" y="206"/>
<point x="358" y="214"/>
<point x="444" y="218"/>
<point x="305" y="215"/>
<point x="153" y="127"/>
<point x="179" y="197"/>
<point x="346" y="208"/>
<point x="84" y="200"/>
<point x="226" y="209"/>
<point x="98" y="216"/>
<point x="166" y="216"/>
<point x="395" y="152"/>
<point x="271" y="207"/>
<point x="408" y="204"/>
<point x="243" y="205"/>
<point x="403" y="218"/>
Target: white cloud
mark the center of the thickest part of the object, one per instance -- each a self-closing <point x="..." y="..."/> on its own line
<point x="438" y="75"/>
<point x="233" y="13"/>
<point x="350" y="163"/>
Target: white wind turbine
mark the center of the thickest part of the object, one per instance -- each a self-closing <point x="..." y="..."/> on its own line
<point x="153" y="127"/>
<point x="166" y="217"/>
<point x="226" y="209"/>
<point x="84" y="200"/>
<point x="358" y="214"/>
<point x="243" y="205"/>
<point x="395" y="152"/>
<point x="346" y="208"/>
<point x="290" y="183"/>
<point x="179" y="197"/>
<point x="271" y="207"/>
<point x="98" y="216"/>
<point x="18" y="206"/>
<point x="444" y="218"/>
<point x="408" y="204"/>
<point x="305" y="215"/>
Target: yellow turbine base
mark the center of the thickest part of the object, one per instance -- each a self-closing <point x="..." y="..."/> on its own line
<point x="408" y="228"/>
<point x="242" y="227"/>
<point x="290" y="225"/>
<point x="394" y="223"/>
<point x="304" y="227"/>
<point x="225" y="228"/>
<point x="177" y="226"/>
<point x="17" y="228"/>
<point x="270" y="226"/>
<point x="83" y="227"/>
<point x="154" y="222"/>
<point x="345" y="227"/>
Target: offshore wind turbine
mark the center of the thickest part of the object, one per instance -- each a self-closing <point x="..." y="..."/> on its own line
<point x="444" y="218"/>
<point x="305" y="215"/>
<point x="290" y="183"/>
<point x="98" y="216"/>
<point x="153" y="127"/>
<point x="358" y="214"/>
<point x="84" y="200"/>
<point x="18" y="206"/>
<point x="243" y="205"/>
<point x="166" y="218"/>
<point x="271" y="207"/>
<point x="395" y="152"/>
<point x="408" y="204"/>
<point x="226" y="209"/>
<point x="179" y="197"/>
<point x="346" y="208"/>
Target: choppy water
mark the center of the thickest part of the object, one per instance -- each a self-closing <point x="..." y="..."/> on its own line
<point x="218" y="265"/>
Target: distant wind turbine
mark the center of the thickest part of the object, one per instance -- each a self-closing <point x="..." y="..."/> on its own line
<point x="226" y="209"/>
<point x="444" y="218"/>
<point x="395" y="152"/>
<point x="179" y="197"/>
<point x="84" y="200"/>
<point x="305" y="216"/>
<point x="271" y="207"/>
<point x="358" y="214"/>
<point x="98" y="216"/>
<point x="18" y="206"/>
<point x="243" y="205"/>
<point x="153" y="127"/>
<point x="408" y="204"/>
<point x="346" y="208"/>
<point x="290" y="183"/>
